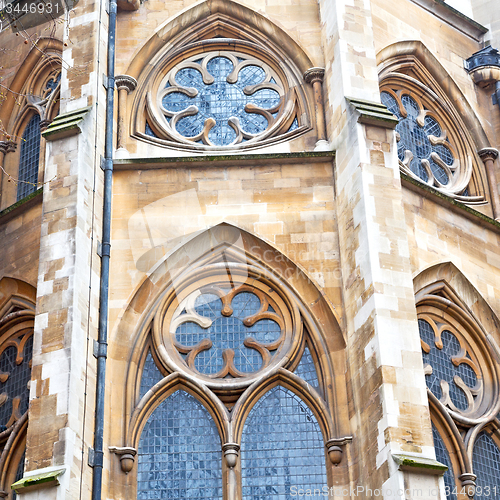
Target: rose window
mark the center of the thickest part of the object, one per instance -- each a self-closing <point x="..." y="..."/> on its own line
<point x="423" y="146"/>
<point x="451" y="374"/>
<point x="226" y="333"/>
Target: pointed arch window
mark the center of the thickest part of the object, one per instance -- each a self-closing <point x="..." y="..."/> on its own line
<point x="462" y="384"/>
<point x="29" y="158"/>
<point x="232" y="402"/>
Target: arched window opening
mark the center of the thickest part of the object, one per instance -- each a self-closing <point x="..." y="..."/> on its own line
<point x="281" y="447"/>
<point x="150" y="375"/>
<point x="486" y="465"/>
<point x="443" y="456"/>
<point x="306" y="369"/>
<point x="179" y="452"/>
<point x="29" y="159"/>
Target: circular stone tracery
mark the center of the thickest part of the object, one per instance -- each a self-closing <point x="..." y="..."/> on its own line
<point x="221" y="100"/>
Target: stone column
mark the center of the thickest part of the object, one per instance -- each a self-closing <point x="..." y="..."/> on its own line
<point x="390" y="413"/>
<point x="125" y="84"/>
<point x="315" y="77"/>
<point x="61" y="414"/>
<point x="489" y="155"/>
<point x="5" y="147"/>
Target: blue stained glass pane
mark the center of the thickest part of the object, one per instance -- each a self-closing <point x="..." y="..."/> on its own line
<point x="19" y="473"/>
<point x="150" y="375"/>
<point x="415" y="138"/>
<point x="294" y="125"/>
<point x="391" y="103"/>
<point x="281" y="447"/>
<point x="486" y="465"/>
<point x="16" y="384"/>
<point x="432" y="127"/>
<point x="29" y="159"/>
<point x="443" y="457"/>
<point x="306" y="369"/>
<point x="179" y="452"/>
<point x="149" y="131"/>
<point x="221" y="101"/>
<point x="251" y="75"/>
<point x="443" y="368"/>
<point x="227" y="333"/>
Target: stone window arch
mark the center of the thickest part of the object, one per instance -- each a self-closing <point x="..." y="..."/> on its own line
<point x="236" y="344"/>
<point x="462" y="377"/>
<point x="17" y="313"/>
<point x="438" y="141"/>
<point x="216" y="87"/>
<point x="27" y="111"/>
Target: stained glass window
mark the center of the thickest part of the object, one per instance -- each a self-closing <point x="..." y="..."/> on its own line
<point x="150" y="375"/>
<point x="227" y="333"/>
<point x="307" y="370"/>
<point x="281" y="447"/>
<point x="15" y="379"/>
<point x="179" y="452"/>
<point x="486" y="466"/>
<point x="443" y="457"/>
<point x="440" y="361"/>
<point x="416" y="138"/>
<point x="29" y="159"/>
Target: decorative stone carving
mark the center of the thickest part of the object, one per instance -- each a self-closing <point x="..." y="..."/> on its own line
<point x="231" y="453"/>
<point x="127" y="456"/>
<point x="334" y="447"/>
<point x="468" y="481"/>
<point x="125" y="82"/>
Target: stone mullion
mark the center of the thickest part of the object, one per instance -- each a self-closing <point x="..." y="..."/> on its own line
<point x="62" y="394"/>
<point x="391" y="414"/>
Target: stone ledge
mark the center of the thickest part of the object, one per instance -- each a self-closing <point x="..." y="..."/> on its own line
<point x="448" y="202"/>
<point x="66" y="125"/>
<point x="223" y="160"/>
<point x="41" y="478"/>
<point x="422" y="465"/>
<point x="454" y="18"/>
<point x="373" y="113"/>
<point x="20" y="206"/>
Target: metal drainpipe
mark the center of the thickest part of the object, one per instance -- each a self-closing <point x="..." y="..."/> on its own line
<point x="101" y="346"/>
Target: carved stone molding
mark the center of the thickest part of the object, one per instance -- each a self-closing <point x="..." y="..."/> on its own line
<point x="314" y="75"/>
<point x="488" y="154"/>
<point x="7" y="147"/>
<point x="334" y="447"/>
<point x="125" y="82"/>
<point x="127" y="456"/>
<point x="231" y="453"/>
<point x="468" y="481"/>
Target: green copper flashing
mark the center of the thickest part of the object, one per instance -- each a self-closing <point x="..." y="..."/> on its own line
<point x="66" y="125"/>
<point x="373" y="113"/>
<point x="49" y="478"/>
<point x="420" y="465"/>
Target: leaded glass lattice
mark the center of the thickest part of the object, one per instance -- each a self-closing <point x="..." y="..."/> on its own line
<point x="179" y="453"/>
<point x="443" y="369"/>
<point x="486" y="466"/>
<point x="29" y="159"/>
<point x="307" y="370"/>
<point x="150" y="375"/>
<point x="226" y="334"/>
<point x="19" y="473"/>
<point x="16" y="379"/>
<point x="221" y="99"/>
<point x="281" y="447"/>
<point x="423" y="141"/>
<point x="443" y="457"/>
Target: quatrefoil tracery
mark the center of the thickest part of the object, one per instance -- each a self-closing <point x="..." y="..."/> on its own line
<point x="452" y="372"/>
<point x="424" y="149"/>
<point x="225" y="333"/>
<point x="223" y="99"/>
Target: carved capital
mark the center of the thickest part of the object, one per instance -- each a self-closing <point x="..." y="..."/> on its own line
<point x="7" y="146"/>
<point x="231" y="453"/>
<point x="334" y="447"/>
<point x="488" y="154"/>
<point x="127" y="456"/>
<point x="314" y="75"/>
<point x="468" y="483"/>
<point x="125" y="82"/>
